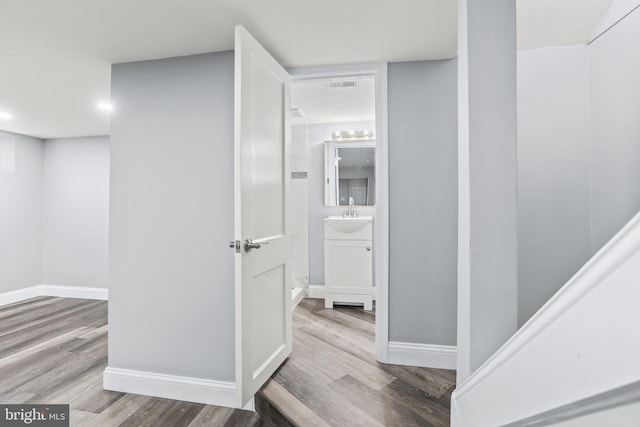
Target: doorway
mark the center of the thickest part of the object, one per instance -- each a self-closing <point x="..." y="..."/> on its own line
<point x="335" y="106"/>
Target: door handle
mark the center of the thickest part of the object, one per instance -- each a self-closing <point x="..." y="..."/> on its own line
<point x="249" y="245"/>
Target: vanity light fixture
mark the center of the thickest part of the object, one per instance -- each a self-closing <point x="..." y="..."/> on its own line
<point x="352" y="134"/>
<point x="5" y="116"/>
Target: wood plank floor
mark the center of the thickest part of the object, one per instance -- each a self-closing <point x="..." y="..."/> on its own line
<point x="333" y="379"/>
<point x="54" y="350"/>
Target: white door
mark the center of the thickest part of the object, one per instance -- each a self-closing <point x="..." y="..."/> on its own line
<point x="262" y="176"/>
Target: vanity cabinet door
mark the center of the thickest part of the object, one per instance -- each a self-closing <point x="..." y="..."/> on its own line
<point x="348" y="264"/>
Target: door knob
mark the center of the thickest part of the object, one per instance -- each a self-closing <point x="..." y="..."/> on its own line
<point x="249" y="245"/>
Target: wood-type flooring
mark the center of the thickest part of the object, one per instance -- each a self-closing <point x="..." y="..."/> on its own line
<point x="332" y="377"/>
<point x="54" y="350"/>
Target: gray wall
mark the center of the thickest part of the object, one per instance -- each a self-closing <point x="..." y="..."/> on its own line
<point x="554" y="220"/>
<point x="75" y="219"/>
<point x="317" y="134"/>
<point x="20" y="212"/>
<point x="171" y="274"/>
<point x="614" y="83"/>
<point x="423" y="202"/>
<point x="487" y="262"/>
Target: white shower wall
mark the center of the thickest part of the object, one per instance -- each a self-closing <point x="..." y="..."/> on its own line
<point x="300" y="204"/>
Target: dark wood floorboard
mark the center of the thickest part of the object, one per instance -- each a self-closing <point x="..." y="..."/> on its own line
<point x="54" y="350"/>
<point x="332" y="377"/>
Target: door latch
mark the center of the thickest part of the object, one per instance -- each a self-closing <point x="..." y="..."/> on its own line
<point x="236" y="245"/>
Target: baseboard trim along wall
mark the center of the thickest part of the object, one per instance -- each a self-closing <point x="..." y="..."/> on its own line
<point x="315" y="291"/>
<point x="18" y="295"/>
<point x="296" y="296"/>
<point x="210" y="392"/>
<point x="318" y="291"/>
<point x="423" y="355"/>
<point x="75" y="292"/>
<point x="53" y="291"/>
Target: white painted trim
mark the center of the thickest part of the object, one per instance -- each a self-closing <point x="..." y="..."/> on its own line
<point x="563" y="328"/>
<point x="18" y="295"/>
<point x="606" y="261"/>
<point x="318" y="291"/>
<point x="315" y="291"/>
<point x="209" y="392"/>
<point x="464" y="203"/>
<point x="75" y="292"/>
<point x="53" y="291"/>
<point x="296" y="296"/>
<point x="607" y="401"/>
<point x="423" y="355"/>
<point x="381" y="229"/>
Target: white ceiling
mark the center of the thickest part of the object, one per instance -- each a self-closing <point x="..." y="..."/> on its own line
<point x="56" y="55"/>
<point x="322" y="104"/>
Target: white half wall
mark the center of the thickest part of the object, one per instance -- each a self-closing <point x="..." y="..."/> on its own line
<point x="580" y="344"/>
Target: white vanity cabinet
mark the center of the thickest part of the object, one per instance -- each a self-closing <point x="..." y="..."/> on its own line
<point x="348" y="261"/>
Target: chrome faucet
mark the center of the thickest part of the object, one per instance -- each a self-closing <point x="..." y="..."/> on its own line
<point x="350" y="212"/>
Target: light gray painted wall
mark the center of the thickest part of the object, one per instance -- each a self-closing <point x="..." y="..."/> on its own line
<point x="75" y="220"/>
<point x="487" y="274"/>
<point x="614" y="67"/>
<point x="423" y="202"/>
<point x="20" y="212"/>
<point x="317" y="135"/>
<point x="554" y="219"/>
<point x="171" y="284"/>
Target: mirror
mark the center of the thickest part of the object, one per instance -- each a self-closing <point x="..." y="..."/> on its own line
<point x="350" y="172"/>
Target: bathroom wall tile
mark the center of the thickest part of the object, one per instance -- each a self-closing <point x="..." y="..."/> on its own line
<point x="298" y="165"/>
<point x="299" y="192"/>
<point x="300" y="220"/>
<point x="300" y="275"/>
<point x="300" y="246"/>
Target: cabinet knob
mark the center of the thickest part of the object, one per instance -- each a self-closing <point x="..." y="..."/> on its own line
<point x="368" y="248"/>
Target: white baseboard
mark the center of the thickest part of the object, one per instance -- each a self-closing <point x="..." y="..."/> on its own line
<point x="53" y="291"/>
<point x="18" y="295"/>
<point x="315" y="291"/>
<point x="296" y="296"/>
<point x="209" y="392"/>
<point x="423" y="355"/>
<point x="75" y="292"/>
<point x="318" y="291"/>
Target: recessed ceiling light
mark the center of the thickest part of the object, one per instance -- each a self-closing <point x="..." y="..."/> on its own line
<point x="105" y="106"/>
<point x="5" y="116"/>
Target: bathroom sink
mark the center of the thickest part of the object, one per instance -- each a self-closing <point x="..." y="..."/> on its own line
<point x="348" y="224"/>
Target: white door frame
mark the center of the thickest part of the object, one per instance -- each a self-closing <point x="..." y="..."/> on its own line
<point x="381" y="223"/>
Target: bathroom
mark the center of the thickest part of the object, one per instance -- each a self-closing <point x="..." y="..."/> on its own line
<point x="333" y="162"/>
